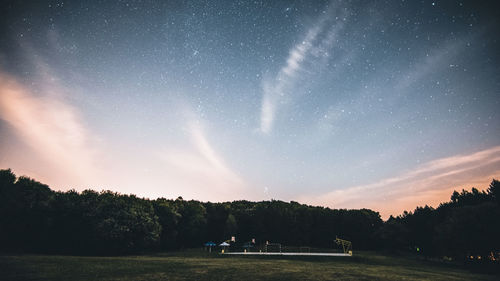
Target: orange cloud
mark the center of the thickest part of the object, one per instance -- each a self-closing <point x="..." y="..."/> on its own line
<point x="430" y="183"/>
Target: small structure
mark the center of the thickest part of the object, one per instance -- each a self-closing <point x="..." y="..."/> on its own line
<point x="248" y="245"/>
<point x="346" y="245"/>
<point x="210" y="245"/>
<point x="272" y="247"/>
<point x="224" y="245"/>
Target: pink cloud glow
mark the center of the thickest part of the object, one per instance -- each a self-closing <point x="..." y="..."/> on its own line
<point x="49" y="135"/>
<point x="430" y="183"/>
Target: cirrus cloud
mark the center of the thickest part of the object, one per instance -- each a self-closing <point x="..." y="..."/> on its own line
<point x="430" y="183"/>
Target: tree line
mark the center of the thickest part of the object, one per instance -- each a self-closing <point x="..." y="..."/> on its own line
<point x="466" y="227"/>
<point x="34" y="218"/>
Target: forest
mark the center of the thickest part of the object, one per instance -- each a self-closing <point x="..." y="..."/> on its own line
<point x="36" y="219"/>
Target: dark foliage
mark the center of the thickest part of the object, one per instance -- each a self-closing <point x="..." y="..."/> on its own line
<point x="466" y="228"/>
<point x="33" y="218"/>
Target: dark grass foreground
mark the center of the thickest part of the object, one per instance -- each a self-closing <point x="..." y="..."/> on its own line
<point x="200" y="266"/>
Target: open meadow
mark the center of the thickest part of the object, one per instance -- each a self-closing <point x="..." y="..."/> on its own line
<point x="202" y="266"/>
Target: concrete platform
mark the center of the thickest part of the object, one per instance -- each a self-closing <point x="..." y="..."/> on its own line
<point x="288" y="254"/>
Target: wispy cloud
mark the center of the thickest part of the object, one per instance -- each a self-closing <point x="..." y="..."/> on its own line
<point x="46" y="138"/>
<point x="48" y="129"/>
<point x="198" y="171"/>
<point x="43" y="135"/>
<point x="430" y="183"/>
<point x="314" y="47"/>
<point x="439" y="58"/>
<point x="391" y="87"/>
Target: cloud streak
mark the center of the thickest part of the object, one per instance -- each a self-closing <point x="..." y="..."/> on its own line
<point x="198" y="171"/>
<point x="439" y="59"/>
<point x="47" y="139"/>
<point x="50" y="128"/>
<point x="430" y="183"/>
<point x="314" y="48"/>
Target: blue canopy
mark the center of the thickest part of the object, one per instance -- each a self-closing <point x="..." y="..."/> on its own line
<point x="210" y="244"/>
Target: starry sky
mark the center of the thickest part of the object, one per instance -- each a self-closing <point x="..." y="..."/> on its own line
<point x="347" y="104"/>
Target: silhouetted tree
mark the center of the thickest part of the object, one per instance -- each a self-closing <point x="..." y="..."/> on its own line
<point x="34" y="218"/>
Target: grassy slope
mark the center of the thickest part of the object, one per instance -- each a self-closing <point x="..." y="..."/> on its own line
<point x="189" y="266"/>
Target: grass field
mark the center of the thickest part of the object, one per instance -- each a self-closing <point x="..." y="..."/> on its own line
<point x="201" y="266"/>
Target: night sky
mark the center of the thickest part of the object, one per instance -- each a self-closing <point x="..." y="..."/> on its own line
<point x="346" y="104"/>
